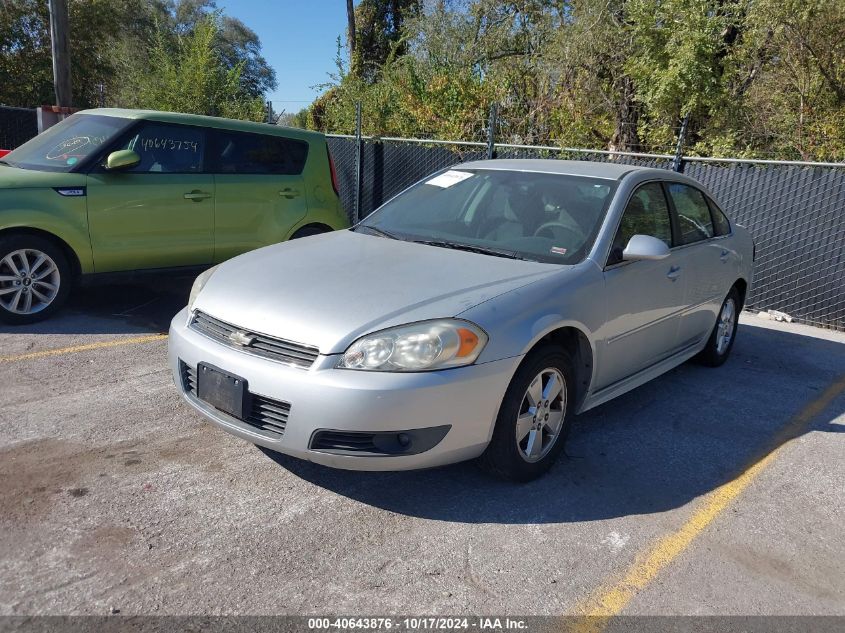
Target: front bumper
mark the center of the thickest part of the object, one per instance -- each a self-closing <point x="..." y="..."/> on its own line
<point x="466" y="399"/>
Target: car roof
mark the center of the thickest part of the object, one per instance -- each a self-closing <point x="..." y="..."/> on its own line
<point x="610" y="171"/>
<point x="204" y="121"/>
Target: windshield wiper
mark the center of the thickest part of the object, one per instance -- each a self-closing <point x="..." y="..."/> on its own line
<point x="473" y="248"/>
<point x="381" y="232"/>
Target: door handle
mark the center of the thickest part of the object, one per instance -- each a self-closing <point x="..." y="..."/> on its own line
<point x="289" y="192"/>
<point x="196" y="195"/>
<point x="724" y="256"/>
<point x="674" y="273"/>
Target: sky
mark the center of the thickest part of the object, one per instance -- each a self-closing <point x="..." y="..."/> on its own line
<point x="299" y="41"/>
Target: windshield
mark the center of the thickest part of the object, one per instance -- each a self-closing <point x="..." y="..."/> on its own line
<point x="550" y="218"/>
<point x="67" y="143"/>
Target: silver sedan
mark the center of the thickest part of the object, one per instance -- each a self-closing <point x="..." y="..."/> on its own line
<point x="471" y="316"/>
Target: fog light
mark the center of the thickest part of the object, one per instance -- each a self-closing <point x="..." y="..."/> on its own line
<point x="404" y="439"/>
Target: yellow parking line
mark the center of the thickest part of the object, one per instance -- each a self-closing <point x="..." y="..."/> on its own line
<point x="610" y="599"/>
<point x="83" y="348"/>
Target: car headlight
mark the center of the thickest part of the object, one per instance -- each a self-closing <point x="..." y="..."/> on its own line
<point x="199" y="284"/>
<point x="423" y="346"/>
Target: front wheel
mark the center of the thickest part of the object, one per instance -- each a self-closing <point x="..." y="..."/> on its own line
<point x="721" y="340"/>
<point x="35" y="278"/>
<point x="534" y="419"/>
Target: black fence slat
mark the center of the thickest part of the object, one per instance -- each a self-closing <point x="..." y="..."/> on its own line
<point x="17" y="126"/>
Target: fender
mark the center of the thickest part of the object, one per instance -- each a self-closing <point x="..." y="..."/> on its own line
<point x="65" y="218"/>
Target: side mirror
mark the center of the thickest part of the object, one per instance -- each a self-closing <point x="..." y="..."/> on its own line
<point x="122" y="159"/>
<point x="645" y="247"/>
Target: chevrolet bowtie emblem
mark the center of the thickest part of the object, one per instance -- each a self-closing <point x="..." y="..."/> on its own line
<point x="241" y="338"/>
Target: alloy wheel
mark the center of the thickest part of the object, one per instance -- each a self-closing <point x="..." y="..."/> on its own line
<point x="29" y="281"/>
<point x="725" y="328"/>
<point x="541" y="413"/>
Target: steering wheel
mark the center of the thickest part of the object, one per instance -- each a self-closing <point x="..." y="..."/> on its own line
<point x="554" y="228"/>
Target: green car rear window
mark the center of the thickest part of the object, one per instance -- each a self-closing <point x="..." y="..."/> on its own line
<point x="245" y="153"/>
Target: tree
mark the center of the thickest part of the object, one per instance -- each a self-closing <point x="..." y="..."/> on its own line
<point x="111" y="46"/>
<point x="194" y="79"/>
<point x="237" y="44"/>
<point x="97" y="29"/>
<point x="378" y="34"/>
<point x="790" y="79"/>
<point x="758" y="78"/>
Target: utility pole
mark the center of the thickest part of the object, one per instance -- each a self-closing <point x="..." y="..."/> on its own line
<point x="61" y="52"/>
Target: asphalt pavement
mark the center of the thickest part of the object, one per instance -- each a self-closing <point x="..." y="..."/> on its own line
<point x="706" y="491"/>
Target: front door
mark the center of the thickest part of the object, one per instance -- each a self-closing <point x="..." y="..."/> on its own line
<point x="644" y="298"/>
<point x="159" y="213"/>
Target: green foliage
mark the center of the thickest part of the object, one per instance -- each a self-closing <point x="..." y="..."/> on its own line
<point x="191" y="77"/>
<point x="130" y="53"/>
<point x="758" y="78"/>
<point x="26" y="67"/>
<point x="380" y="33"/>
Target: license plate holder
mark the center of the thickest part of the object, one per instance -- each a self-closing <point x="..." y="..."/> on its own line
<point x="222" y="390"/>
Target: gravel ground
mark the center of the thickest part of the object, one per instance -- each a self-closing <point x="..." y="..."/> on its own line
<point x="116" y="495"/>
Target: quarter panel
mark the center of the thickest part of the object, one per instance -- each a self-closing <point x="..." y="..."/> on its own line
<point x="250" y="211"/>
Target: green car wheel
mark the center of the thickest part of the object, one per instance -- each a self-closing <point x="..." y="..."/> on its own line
<point x="35" y="278"/>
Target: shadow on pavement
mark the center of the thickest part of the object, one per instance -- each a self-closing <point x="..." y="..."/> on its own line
<point x="654" y="449"/>
<point x="142" y="304"/>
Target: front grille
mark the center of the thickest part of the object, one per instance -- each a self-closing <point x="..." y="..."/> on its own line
<point x="261" y="345"/>
<point x="266" y="414"/>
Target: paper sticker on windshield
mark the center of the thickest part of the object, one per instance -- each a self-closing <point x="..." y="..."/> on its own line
<point x="558" y="250"/>
<point x="448" y="178"/>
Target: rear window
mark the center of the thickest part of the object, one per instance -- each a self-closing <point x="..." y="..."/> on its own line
<point x="693" y="213"/>
<point x="721" y="225"/>
<point x="245" y="153"/>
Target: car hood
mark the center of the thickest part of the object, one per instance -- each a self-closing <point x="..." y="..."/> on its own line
<point x="15" y="178"/>
<point x="329" y="289"/>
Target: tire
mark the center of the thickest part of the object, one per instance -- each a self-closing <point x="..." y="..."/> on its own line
<point x="722" y="338"/>
<point x="35" y="278"/>
<point x="523" y="459"/>
<point x="307" y="231"/>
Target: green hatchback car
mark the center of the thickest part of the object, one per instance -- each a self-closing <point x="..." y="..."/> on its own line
<point x="110" y="190"/>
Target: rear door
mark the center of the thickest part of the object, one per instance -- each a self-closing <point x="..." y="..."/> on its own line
<point x="706" y="260"/>
<point x="645" y="299"/>
<point x="260" y="190"/>
<point x="159" y="213"/>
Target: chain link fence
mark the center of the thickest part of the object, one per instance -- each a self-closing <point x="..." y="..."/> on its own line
<point x="796" y="215"/>
<point x="17" y="126"/>
<point x="795" y="212"/>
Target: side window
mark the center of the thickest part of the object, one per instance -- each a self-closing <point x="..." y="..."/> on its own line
<point x="244" y="153"/>
<point x="646" y="214"/>
<point x="721" y="225"/>
<point x="166" y="148"/>
<point x="693" y="213"/>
